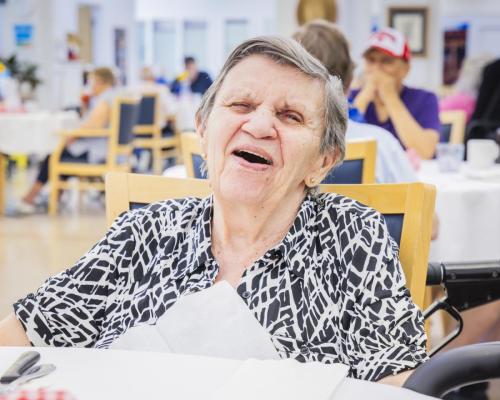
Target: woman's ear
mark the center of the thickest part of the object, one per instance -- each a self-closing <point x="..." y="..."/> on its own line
<point x="325" y="163"/>
<point x="330" y="159"/>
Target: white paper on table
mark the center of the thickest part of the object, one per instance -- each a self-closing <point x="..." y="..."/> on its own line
<point x="214" y="322"/>
<point x="284" y="379"/>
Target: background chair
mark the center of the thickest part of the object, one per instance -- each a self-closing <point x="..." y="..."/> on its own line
<point x="149" y="135"/>
<point x="408" y="210"/>
<point x="358" y="165"/>
<point x="124" y="116"/>
<point x="129" y="191"/>
<point x="452" y="126"/>
<point x="191" y="154"/>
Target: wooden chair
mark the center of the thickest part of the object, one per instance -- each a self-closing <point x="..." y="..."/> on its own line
<point x="124" y="115"/>
<point x="407" y="208"/>
<point x="148" y="132"/>
<point x="128" y="191"/>
<point x="358" y="165"/>
<point x="191" y="154"/>
<point x="452" y="126"/>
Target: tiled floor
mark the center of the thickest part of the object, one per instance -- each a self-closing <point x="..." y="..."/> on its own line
<point x="34" y="247"/>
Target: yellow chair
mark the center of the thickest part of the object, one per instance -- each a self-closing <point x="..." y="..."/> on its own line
<point x="452" y="126"/>
<point x="191" y="154"/>
<point x="407" y="208"/>
<point x="148" y="134"/>
<point x="128" y="191"/>
<point x="123" y="118"/>
<point x="358" y="166"/>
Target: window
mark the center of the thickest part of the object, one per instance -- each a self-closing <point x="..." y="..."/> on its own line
<point x="164" y="46"/>
<point x="236" y="31"/>
<point x="141" y="43"/>
<point x="195" y="41"/>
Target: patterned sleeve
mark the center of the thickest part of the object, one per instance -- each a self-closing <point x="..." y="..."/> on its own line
<point x="68" y="309"/>
<point x="385" y="334"/>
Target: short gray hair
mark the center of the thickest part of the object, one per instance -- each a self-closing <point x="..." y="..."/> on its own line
<point x="286" y="51"/>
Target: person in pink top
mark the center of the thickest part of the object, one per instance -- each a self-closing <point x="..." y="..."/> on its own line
<point x="466" y="87"/>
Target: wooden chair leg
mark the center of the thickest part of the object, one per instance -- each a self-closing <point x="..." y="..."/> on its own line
<point x="53" y="198"/>
<point x="157" y="160"/>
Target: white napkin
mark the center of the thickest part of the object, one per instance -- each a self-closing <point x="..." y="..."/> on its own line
<point x="214" y="322"/>
<point x="284" y="379"/>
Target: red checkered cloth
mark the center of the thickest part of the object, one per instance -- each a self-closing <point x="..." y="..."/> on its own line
<point x="40" y="394"/>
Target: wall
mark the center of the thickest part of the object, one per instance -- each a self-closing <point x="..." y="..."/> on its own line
<point x="52" y="20"/>
<point x="483" y="17"/>
<point x="260" y="15"/>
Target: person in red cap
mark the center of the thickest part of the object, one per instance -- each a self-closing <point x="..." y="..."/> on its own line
<point x="410" y="114"/>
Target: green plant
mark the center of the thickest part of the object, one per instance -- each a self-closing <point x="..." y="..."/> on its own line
<point x="22" y="71"/>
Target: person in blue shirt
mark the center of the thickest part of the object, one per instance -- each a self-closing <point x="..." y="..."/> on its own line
<point x="327" y="43"/>
<point x="199" y="81"/>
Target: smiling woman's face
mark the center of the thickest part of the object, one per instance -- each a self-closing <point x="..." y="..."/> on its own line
<point x="262" y="138"/>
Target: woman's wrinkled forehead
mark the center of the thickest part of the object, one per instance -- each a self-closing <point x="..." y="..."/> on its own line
<point x="258" y="77"/>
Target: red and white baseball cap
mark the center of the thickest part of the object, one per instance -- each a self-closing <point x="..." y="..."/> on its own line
<point x="390" y="42"/>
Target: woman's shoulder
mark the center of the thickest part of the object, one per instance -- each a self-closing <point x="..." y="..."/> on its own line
<point x="347" y="213"/>
<point x="171" y="211"/>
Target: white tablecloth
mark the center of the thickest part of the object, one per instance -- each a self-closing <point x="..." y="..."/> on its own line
<point x="469" y="214"/>
<point x="91" y="374"/>
<point x="33" y="133"/>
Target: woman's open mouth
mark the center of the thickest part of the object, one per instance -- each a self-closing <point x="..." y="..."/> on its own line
<point x="252" y="157"/>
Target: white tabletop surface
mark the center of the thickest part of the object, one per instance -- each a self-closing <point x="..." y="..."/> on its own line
<point x="468" y="208"/>
<point x="117" y="374"/>
<point x="33" y="132"/>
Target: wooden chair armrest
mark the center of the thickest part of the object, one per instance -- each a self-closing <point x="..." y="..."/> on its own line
<point x="85" y="133"/>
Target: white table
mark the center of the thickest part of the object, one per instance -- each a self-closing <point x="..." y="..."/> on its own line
<point x="34" y="132"/>
<point x="91" y="374"/>
<point x="469" y="215"/>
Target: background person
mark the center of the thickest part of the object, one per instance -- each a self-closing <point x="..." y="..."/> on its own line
<point x="198" y="81"/>
<point x="410" y="114"/>
<point x="92" y="150"/>
<point x="328" y="44"/>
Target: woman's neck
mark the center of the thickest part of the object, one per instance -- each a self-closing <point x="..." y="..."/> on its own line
<point x="241" y="227"/>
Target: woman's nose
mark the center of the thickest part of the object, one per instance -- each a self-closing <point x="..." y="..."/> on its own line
<point x="260" y="124"/>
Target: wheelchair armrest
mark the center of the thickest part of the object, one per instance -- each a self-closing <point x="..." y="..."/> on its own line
<point x="455" y="368"/>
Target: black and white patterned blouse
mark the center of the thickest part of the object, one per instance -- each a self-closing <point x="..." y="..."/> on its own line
<point x="332" y="291"/>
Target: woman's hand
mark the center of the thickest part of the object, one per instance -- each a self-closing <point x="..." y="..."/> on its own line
<point x="12" y="332"/>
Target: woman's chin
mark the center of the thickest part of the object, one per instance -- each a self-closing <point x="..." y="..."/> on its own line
<point x="244" y="191"/>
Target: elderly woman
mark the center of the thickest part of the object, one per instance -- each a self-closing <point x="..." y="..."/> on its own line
<point x="318" y="271"/>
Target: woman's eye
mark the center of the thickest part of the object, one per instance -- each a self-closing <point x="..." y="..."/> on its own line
<point x="292" y="116"/>
<point x="240" y="106"/>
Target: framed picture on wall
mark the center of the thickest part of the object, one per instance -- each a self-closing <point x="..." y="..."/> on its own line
<point x="411" y="22"/>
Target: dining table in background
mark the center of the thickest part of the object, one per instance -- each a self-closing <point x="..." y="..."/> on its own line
<point x="30" y="133"/>
<point x="468" y="208"/>
<point x="34" y="133"/>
